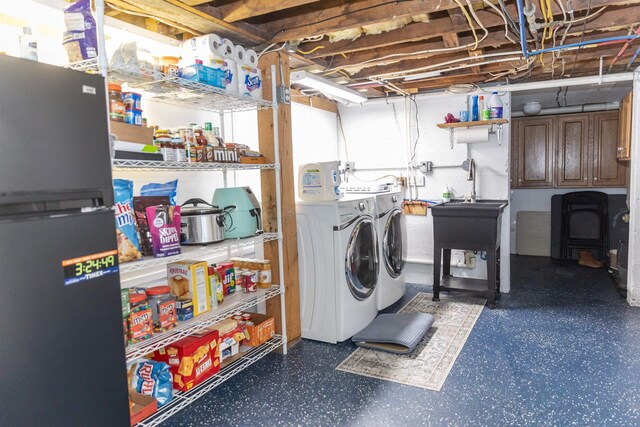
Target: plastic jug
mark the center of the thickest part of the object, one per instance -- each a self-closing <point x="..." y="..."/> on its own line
<point x="319" y="181"/>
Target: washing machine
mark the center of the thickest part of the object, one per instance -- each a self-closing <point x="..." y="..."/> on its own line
<point x="392" y="232"/>
<point x="339" y="266"/>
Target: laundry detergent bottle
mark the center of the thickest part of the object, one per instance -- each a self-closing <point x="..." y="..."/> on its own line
<point x="319" y="181"/>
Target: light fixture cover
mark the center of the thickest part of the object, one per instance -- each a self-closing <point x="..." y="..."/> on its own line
<point x="326" y="86"/>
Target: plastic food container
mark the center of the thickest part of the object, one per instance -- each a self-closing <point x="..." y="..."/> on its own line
<point x="133" y="117"/>
<point x="132" y="100"/>
<point x="140" y="320"/>
<point x="116" y="106"/>
<point x="163" y="307"/>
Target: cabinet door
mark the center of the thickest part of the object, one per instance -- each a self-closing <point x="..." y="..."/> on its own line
<point x="624" y="127"/>
<point x="607" y="170"/>
<point x="573" y="149"/>
<point x="534" y="164"/>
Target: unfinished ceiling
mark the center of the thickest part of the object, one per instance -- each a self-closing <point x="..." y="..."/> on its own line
<point x="408" y="46"/>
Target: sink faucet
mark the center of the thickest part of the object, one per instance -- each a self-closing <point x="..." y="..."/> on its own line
<point x="471" y="176"/>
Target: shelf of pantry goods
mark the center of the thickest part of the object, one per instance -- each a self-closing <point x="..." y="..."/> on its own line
<point x="177" y="91"/>
<point x="184" y="166"/>
<point x="183" y="399"/>
<point x="197" y="252"/>
<point x="237" y="301"/>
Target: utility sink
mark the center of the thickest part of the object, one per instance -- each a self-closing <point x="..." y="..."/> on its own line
<point x="479" y="209"/>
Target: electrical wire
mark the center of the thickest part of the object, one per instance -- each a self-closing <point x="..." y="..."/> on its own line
<point x="310" y="51"/>
<point x="622" y="50"/>
<point x="584" y="26"/>
<point x="344" y="136"/>
<point x="506" y="23"/>
<point x="475" y="17"/>
<point x="266" y="49"/>
<point x="415" y="144"/>
<point x="466" y="15"/>
<point x="512" y="23"/>
<point x="633" y="58"/>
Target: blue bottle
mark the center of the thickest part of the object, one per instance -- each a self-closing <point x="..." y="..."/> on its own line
<point x="474" y="109"/>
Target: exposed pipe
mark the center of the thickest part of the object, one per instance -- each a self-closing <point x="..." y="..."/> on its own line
<point x="423" y="261"/>
<point x="603" y="106"/>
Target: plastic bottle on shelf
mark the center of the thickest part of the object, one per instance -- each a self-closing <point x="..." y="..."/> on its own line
<point x="480" y="105"/>
<point x="495" y="106"/>
<point x="28" y="45"/>
<point x="474" y="108"/>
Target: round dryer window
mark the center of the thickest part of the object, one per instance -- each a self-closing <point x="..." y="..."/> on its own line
<point x="394" y="244"/>
<point x="362" y="265"/>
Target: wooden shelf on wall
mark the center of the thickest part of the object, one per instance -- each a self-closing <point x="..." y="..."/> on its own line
<point x="472" y="124"/>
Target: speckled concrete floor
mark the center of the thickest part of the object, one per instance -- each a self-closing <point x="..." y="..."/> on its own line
<point x="562" y="349"/>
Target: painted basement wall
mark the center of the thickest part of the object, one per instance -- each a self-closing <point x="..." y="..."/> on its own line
<point x="376" y="138"/>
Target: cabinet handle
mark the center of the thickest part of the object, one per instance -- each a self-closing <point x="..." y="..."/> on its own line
<point x="585" y="178"/>
<point x="620" y="148"/>
<point x="519" y="179"/>
<point x="595" y="178"/>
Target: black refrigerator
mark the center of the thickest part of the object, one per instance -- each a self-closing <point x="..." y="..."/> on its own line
<point x="62" y="357"/>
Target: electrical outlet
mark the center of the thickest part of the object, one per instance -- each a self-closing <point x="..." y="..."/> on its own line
<point x="349" y="166"/>
<point x="425" y="166"/>
<point x="419" y="181"/>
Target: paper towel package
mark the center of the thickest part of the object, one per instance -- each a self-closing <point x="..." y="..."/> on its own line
<point x="472" y="136"/>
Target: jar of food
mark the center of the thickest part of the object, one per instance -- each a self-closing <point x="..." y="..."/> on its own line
<point x="116" y="105"/>
<point x="169" y="65"/>
<point x="265" y="274"/>
<point x="140" y="320"/>
<point x="246" y="316"/>
<point x="163" y="307"/>
<point x="237" y="316"/>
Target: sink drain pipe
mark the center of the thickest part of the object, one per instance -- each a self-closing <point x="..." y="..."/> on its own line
<point x="423" y="261"/>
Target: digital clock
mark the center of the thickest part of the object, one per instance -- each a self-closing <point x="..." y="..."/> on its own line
<point x="89" y="267"/>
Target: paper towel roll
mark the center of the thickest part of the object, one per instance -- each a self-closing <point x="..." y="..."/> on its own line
<point x="473" y="135"/>
<point x="252" y="58"/>
<point x="231" y="75"/>
<point x="204" y="45"/>
<point x="249" y="81"/>
<point x="226" y="49"/>
<point x="240" y="55"/>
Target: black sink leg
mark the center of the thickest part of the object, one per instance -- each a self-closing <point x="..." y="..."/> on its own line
<point x="437" y="258"/>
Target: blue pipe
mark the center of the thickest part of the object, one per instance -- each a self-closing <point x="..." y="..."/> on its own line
<point x="635" y="55"/>
<point x="523" y="40"/>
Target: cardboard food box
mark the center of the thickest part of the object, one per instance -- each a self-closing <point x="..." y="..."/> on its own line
<point x="143" y="406"/>
<point x="190" y="280"/>
<point x="132" y="133"/>
<point x="191" y="360"/>
<point x="253" y="160"/>
<point x="263" y="329"/>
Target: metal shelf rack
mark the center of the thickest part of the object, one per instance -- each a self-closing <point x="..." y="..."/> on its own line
<point x="150" y="165"/>
<point x="235" y="302"/>
<point x="196" y="252"/>
<point x="182" y="400"/>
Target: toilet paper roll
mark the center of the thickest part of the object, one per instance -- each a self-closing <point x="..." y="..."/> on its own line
<point x="471" y="136"/>
<point x="231" y="75"/>
<point x="226" y="49"/>
<point x="252" y="58"/>
<point x="203" y="45"/>
<point x="240" y="55"/>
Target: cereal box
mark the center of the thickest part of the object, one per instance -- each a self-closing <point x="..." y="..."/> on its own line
<point x="190" y="280"/>
<point x="192" y="359"/>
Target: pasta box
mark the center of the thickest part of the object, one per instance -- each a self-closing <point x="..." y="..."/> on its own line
<point x="192" y="359"/>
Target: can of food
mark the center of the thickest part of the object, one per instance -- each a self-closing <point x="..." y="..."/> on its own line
<point x="237" y="317"/>
<point x="246" y="316"/>
<point x="249" y="281"/>
<point x="133" y="117"/>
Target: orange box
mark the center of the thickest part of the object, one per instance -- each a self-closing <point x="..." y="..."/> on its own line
<point x="191" y="360"/>
<point x="253" y="160"/>
<point x="143" y="406"/>
<point x="263" y="329"/>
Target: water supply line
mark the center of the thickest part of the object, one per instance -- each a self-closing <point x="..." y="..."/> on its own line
<point x="603" y="106"/>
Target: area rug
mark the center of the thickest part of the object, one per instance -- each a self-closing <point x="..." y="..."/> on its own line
<point x="431" y="361"/>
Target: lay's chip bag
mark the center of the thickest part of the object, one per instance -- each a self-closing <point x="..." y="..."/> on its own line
<point x="128" y="243"/>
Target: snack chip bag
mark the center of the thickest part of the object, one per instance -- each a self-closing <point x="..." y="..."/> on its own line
<point x="164" y="225"/>
<point x="153" y="379"/>
<point x="167" y="189"/>
<point x="128" y="244"/>
<point x="140" y="205"/>
<point x="81" y="39"/>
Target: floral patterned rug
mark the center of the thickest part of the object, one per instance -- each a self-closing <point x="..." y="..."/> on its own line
<point x="431" y="361"/>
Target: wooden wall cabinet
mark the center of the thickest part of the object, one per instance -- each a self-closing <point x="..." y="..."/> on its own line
<point x="624" y="127"/>
<point x="569" y="151"/>
<point x="533" y="153"/>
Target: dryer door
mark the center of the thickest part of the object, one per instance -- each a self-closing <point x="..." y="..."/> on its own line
<point x="394" y="243"/>
<point x="362" y="264"/>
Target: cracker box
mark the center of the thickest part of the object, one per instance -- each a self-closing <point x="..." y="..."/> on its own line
<point x="262" y="330"/>
<point x="191" y="360"/>
<point x="190" y="280"/>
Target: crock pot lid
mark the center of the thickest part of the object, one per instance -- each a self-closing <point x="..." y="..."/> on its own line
<point x="199" y="210"/>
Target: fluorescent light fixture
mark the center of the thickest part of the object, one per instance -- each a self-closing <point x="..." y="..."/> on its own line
<point x="326" y="86"/>
<point x="426" y="75"/>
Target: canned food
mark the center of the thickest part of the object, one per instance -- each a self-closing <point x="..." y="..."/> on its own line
<point x="249" y="282"/>
<point x="246" y="316"/>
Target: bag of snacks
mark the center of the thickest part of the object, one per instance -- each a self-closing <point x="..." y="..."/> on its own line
<point x="128" y="244"/>
<point x="80" y="40"/>
<point x="151" y="378"/>
<point x="140" y="205"/>
<point x="164" y="226"/>
<point x="167" y="189"/>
